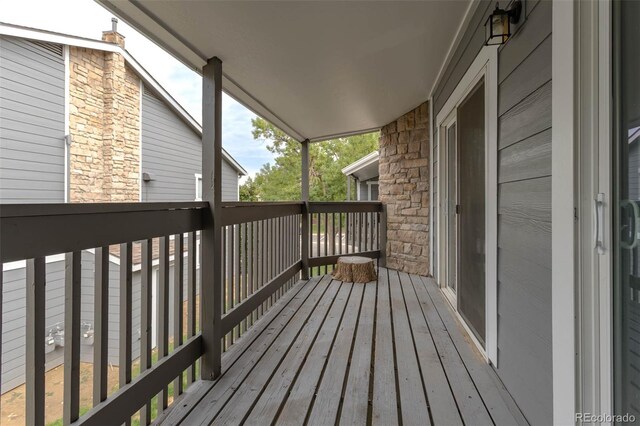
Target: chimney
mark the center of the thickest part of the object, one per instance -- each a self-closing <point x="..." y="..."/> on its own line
<point x="113" y="36"/>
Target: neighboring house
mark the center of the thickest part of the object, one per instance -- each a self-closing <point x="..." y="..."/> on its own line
<point x="364" y="172"/>
<point x="82" y="121"/>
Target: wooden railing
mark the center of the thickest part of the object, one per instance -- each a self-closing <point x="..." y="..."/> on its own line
<point x="265" y="248"/>
<point x="339" y="228"/>
<point x="111" y="232"/>
<point x="261" y="260"/>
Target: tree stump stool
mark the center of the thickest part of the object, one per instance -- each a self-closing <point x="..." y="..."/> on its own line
<point x="355" y="269"/>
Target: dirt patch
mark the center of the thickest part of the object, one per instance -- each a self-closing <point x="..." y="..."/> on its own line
<point x="13" y="402"/>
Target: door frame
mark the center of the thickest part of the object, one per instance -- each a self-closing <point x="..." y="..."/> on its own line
<point x="485" y="65"/>
<point x="446" y="289"/>
<point x="582" y="321"/>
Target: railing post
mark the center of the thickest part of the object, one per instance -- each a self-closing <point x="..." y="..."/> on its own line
<point x="383" y="236"/>
<point x="305" y="208"/>
<point x="211" y="235"/>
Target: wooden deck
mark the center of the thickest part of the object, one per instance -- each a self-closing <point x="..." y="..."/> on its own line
<point x="387" y="352"/>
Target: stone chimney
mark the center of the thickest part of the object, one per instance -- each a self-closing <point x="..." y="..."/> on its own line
<point x="104" y="124"/>
<point x="113" y="36"/>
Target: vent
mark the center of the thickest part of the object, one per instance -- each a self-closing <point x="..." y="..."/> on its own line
<point x="56" y="49"/>
<point x="149" y="91"/>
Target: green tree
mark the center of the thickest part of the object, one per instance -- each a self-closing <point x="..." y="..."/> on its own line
<point x="280" y="181"/>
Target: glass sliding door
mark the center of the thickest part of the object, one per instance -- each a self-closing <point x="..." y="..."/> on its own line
<point x="471" y="211"/>
<point x="626" y="190"/>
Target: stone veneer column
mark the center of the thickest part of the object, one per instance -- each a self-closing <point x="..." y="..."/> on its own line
<point x="104" y="123"/>
<point x="404" y="188"/>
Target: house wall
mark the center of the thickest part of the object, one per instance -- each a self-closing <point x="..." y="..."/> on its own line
<point x="363" y="190"/>
<point x="404" y="188"/>
<point x="524" y="203"/>
<point x="13" y="341"/>
<point x="32" y="132"/>
<point x="172" y="155"/>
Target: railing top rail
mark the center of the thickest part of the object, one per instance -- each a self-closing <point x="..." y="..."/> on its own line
<point x="56" y="209"/>
<point x="235" y="213"/>
<point x="347" y="203"/>
<point x="345" y="207"/>
<point x="42" y="230"/>
<point x="231" y="204"/>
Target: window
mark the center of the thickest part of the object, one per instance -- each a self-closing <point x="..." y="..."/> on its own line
<point x="198" y="187"/>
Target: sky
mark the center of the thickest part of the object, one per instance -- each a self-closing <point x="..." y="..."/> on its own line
<point x="86" y="18"/>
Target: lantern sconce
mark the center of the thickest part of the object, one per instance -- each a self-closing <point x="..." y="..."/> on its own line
<point x="498" y="25"/>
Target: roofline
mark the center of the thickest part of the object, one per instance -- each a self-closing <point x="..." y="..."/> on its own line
<point x="70" y="40"/>
<point x="151" y="26"/>
<point x="361" y="163"/>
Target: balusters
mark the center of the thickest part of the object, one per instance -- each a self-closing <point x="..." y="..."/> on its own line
<point x="71" y="401"/>
<point x="254" y="271"/>
<point x="242" y="257"/>
<point x="236" y="275"/>
<point x="163" y="314"/>
<point x="101" y="325"/>
<point x="229" y="277"/>
<point x="146" y="299"/>
<point x="125" y="314"/>
<point x="191" y="297"/>
<point x="34" y="380"/>
<point x="178" y="293"/>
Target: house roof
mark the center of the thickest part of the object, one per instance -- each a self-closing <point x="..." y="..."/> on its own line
<point x="317" y="70"/>
<point x="150" y="82"/>
<point x="364" y="168"/>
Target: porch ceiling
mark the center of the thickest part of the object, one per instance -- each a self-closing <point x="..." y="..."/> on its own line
<point x="315" y="69"/>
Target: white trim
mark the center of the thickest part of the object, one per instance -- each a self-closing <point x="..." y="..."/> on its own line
<point x="562" y="213"/>
<point x="198" y="177"/>
<point x="432" y="207"/>
<point x="20" y="264"/>
<point x="67" y="131"/>
<point x="605" y="155"/>
<point x="53" y="37"/>
<point x="360" y="163"/>
<point x="594" y="309"/>
<point x="484" y="66"/>
<point x="140" y="183"/>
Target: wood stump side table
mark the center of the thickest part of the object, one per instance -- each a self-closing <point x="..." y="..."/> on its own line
<point x="355" y="269"/>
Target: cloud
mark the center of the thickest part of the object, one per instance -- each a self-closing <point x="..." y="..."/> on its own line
<point x="88" y="19"/>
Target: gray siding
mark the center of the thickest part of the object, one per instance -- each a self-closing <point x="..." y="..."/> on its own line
<point x="524" y="212"/>
<point x="172" y="155"/>
<point x="31" y="122"/>
<point x="14" y="320"/>
<point x="14" y="311"/>
<point x="363" y="188"/>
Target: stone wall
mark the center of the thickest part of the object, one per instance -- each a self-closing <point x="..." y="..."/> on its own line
<point x="104" y="123"/>
<point x="404" y="189"/>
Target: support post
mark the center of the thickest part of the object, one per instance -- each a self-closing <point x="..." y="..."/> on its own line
<point x="305" y="208"/>
<point x="348" y="188"/>
<point x="211" y="267"/>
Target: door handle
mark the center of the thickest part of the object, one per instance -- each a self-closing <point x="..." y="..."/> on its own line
<point x="598" y="207"/>
<point x="635" y="223"/>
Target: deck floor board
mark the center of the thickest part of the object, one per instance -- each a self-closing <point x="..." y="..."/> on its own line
<point x="386" y="352"/>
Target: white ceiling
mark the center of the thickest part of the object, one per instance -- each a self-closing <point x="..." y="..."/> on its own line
<point x="315" y="69"/>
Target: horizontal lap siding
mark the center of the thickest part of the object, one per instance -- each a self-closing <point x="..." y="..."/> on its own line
<point x="524" y="198"/>
<point x="14" y="321"/>
<point x="524" y="221"/>
<point x="32" y="146"/>
<point x="172" y="155"/>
